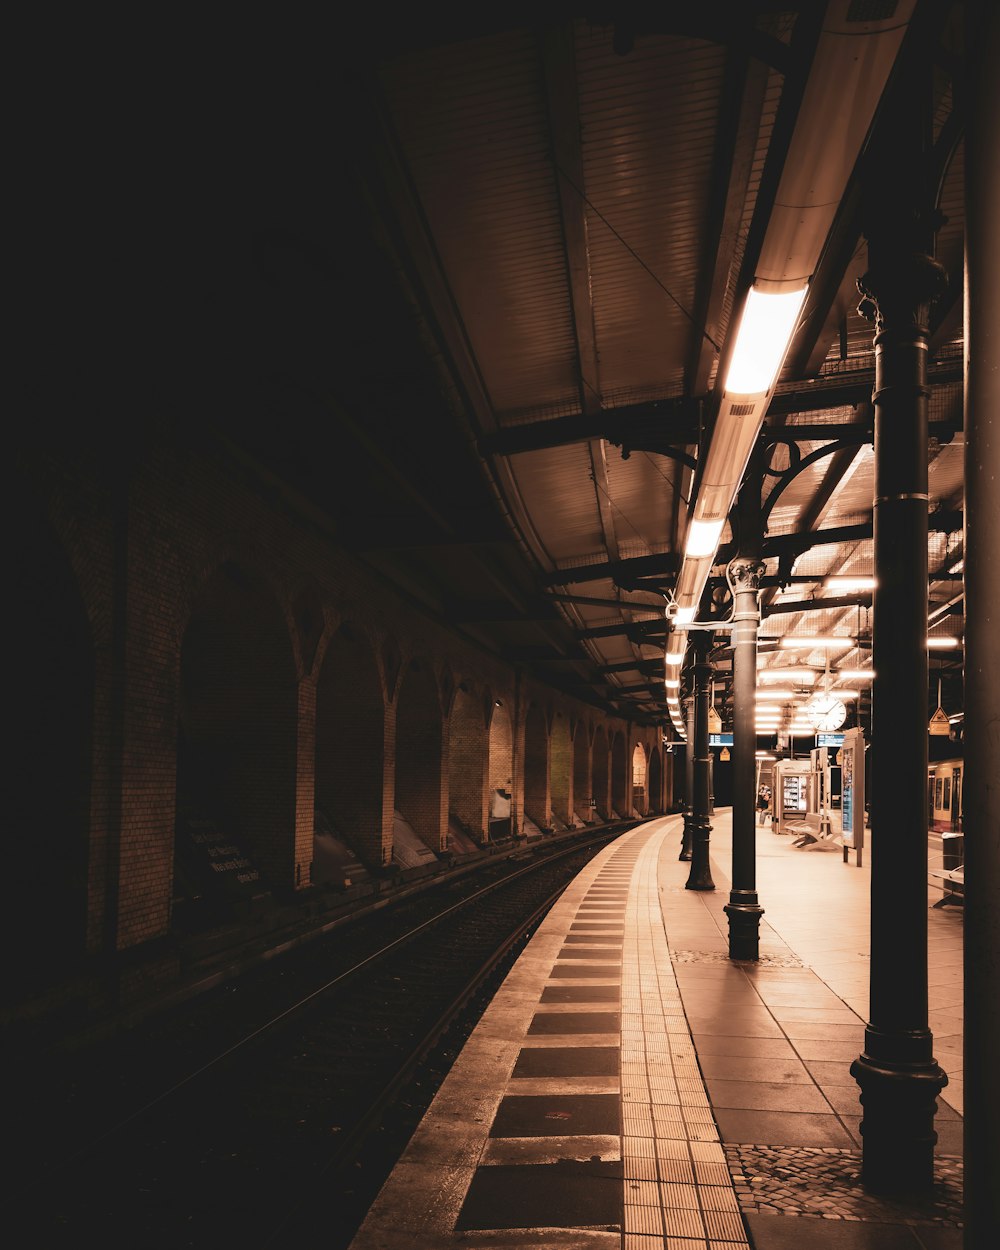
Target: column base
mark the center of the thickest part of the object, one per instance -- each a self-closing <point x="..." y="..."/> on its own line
<point x="744" y="926"/>
<point x="685" y="841"/>
<point x="897" y="1129"/>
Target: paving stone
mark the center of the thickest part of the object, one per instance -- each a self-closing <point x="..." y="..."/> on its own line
<point x="826" y="1183"/>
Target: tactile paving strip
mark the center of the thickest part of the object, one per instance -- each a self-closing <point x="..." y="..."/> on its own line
<point x="674" y="1164"/>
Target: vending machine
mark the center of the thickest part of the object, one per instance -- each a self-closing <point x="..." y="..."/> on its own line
<point x="793" y="793"/>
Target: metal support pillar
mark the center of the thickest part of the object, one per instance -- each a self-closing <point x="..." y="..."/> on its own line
<point x="898" y="1075"/>
<point x="743" y="909"/>
<point x="982" y="639"/>
<point x="700" y="876"/>
<point x="688" y="779"/>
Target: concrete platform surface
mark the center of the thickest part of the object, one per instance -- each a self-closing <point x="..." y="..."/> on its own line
<point x="631" y="1086"/>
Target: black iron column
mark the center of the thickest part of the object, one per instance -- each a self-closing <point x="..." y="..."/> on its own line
<point x="743" y="908"/>
<point x="688" y="778"/>
<point x="700" y="876"/>
<point x="898" y="1075"/>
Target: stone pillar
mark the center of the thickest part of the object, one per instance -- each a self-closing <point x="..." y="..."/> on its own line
<point x="688" y="778"/>
<point x="982" y="642"/>
<point x="700" y="876"/>
<point x="898" y="1075"/>
<point x="743" y="908"/>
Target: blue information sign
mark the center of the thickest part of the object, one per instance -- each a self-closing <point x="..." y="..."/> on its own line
<point x="829" y="740"/>
<point x="720" y="740"/>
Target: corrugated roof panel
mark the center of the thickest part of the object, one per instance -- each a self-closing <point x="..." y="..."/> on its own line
<point x="557" y="492"/>
<point x="654" y="109"/>
<point x="642" y="492"/>
<point x="471" y="121"/>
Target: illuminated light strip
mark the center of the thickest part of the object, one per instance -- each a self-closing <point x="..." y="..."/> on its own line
<point x="766" y="327"/>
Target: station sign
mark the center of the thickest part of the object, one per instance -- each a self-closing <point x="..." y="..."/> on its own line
<point x="939" y="725"/>
<point x="720" y="740"/>
<point x="829" y="740"/>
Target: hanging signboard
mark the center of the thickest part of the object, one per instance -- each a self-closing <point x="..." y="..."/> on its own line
<point x="720" y="740"/>
<point x="724" y="754"/>
<point x="939" y="725"/>
<point x="714" y="721"/>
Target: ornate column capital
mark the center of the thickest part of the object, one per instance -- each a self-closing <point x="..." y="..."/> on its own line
<point x="745" y="572"/>
<point x="899" y="288"/>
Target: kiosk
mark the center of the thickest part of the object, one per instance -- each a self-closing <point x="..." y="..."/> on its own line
<point x="852" y="794"/>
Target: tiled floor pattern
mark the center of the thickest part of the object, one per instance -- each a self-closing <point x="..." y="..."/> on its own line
<point x="776" y="1039"/>
<point x="599" y="1133"/>
<point x="678" y="1191"/>
<point x="565" y="1084"/>
<point x="657" y="1096"/>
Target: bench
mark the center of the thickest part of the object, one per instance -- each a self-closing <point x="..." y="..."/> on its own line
<point x="954" y="884"/>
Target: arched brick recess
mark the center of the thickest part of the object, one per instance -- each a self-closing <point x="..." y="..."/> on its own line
<point x="640" y="780"/>
<point x="583" y="789"/>
<point x="49" y="708"/>
<point x="601" y="767"/>
<point x="561" y="769"/>
<point x="467" y="765"/>
<point x="620" y="777"/>
<point x="237" y="736"/>
<point x="536" y="767"/>
<point x="421" y="793"/>
<point x="501" y="769"/>
<point x="654" y="783"/>
<point x="350" y="746"/>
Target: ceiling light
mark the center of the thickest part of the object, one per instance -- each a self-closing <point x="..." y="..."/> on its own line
<point x="703" y="538"/>
<point x="765" y="330"/>
<point x="855" y="674"/>
<point x="673" y="683"/>
<point x="674" y="657"/>
<point x="849" y="583"/>
<point x="763" y="755"/>
<point x="772" y="693"/>
<point x="845" y="694"/>
<point x="815" y="643"/>
<point x="943" y="641"/>
<point x="805" y="675"/>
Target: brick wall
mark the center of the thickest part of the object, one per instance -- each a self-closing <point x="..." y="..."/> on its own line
<point x="202" y="602"/>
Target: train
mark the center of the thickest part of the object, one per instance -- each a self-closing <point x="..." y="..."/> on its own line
<point x="944" y="796"/>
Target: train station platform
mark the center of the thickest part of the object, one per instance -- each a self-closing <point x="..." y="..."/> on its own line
<point x="630" y="1086"/>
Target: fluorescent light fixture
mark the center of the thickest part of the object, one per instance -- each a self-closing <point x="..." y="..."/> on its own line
<point x="765" y="330"/>
<point x="773" y="693"/>
<point x="685" y="616"/>
<point x="674" y="657"/>
<point x="855" y="674"/>
<point x="849" y="583"/>
<point x="763" y="755"/>
<point x="804" y="675"/>
<point x="814" y="644"/>
<point x="703" y="538"/>
<point x="942" y="642"/>
<point x="673" y="683"/>
<point x="845" y="694"/>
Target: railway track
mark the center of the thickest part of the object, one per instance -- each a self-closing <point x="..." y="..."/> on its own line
<point x="268" y="1113"/>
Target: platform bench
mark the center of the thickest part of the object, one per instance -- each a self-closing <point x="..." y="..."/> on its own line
<point x="954" y="884"/>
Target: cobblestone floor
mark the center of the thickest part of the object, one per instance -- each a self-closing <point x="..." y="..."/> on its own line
<point x="826" y="1182"/>
<point x="720" y="957"/>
